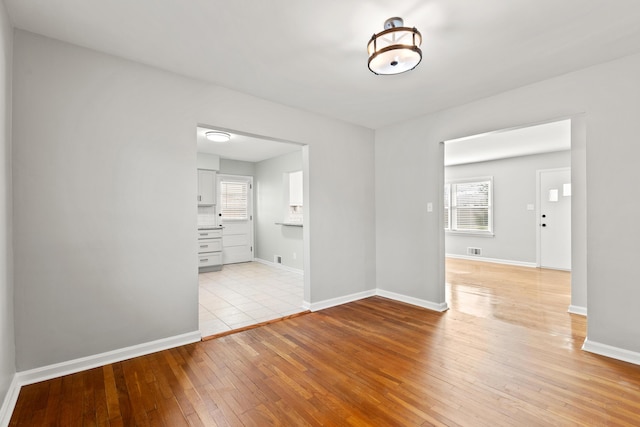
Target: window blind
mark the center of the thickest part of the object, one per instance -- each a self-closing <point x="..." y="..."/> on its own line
<point x="233" y="200"/>
<point x="472" y="205"/>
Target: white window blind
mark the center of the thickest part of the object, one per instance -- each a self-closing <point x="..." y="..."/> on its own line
<point x="468" y="206"/>
<point x="233" y="200"/>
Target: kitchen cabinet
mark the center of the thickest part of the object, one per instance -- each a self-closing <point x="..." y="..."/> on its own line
<point x="209" y="249"/>
<point x="206" y="187"/>
<point x="295" y="188"/>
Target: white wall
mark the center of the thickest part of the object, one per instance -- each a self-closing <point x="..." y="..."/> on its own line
<point x="410" y="260"/>
<point x="104" y="184"/>
<point x="7" y="341"/>
<point x="237" y="167"/>
<point x="208" y="161"/>
<point x="514" y="187"/>
<point x="272" y="239"/>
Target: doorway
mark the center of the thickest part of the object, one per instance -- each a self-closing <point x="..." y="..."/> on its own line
<point x="510" y="160"/>
<point x="251" y="288"/>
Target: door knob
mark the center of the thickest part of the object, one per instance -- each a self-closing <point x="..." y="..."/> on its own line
<point x="544" y="225"/>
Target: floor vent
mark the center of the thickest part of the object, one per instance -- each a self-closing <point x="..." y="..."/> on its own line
<point x="474" y="251"/>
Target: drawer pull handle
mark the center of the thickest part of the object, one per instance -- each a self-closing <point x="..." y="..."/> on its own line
<point x="204" y="234"/>
<point x="204" y="246"/>
<point x="204" y="260"/>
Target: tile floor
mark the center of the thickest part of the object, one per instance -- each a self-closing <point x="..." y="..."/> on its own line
<point x="246" y="294"/>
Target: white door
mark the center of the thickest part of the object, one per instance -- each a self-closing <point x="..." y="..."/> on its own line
<point x="235" y="215"/>
<point x="554" y="221"/>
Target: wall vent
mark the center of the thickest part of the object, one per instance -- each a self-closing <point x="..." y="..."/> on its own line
<point x="277" y="259"/>
<point x="474" y="251"/>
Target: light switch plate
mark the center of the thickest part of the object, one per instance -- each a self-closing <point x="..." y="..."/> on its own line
<point x="429" y="207"/>
<point x="530" y="207"/>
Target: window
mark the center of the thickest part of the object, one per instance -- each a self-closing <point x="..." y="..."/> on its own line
<point x="234" y="200"/>
<point x="467" y="206"/>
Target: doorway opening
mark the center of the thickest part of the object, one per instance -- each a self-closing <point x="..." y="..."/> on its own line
<point x="251" y="197"/>
<point x="492" y="209"/>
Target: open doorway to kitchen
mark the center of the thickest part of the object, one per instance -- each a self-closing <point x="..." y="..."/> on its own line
<point x="496" y="214"/>
<point x="260" y="272"/>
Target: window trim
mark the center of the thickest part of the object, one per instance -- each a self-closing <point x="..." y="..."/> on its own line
<point x="449" y="184"/>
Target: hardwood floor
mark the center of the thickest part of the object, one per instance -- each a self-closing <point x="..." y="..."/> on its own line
<point x="506" y="353"/>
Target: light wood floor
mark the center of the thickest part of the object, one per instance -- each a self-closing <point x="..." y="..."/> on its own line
<point x="506" y="353"/>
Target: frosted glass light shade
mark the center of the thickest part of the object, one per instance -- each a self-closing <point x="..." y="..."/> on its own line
<point x="394" y="50"/>
<point x="217" y="136"/>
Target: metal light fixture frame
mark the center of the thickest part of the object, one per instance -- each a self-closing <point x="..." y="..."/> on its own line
<point x="392" y="27"/>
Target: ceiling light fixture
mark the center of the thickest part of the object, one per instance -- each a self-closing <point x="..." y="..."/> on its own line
<point x="396" y="49"/>
<point x="217" y="136"/>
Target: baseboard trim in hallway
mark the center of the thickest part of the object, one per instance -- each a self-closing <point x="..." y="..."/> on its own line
<point x="611" y="351"/>
<point x="82" y="364"/>
<point x="576" y="309"/>
<point x="9" y="403"/>
<point x="429" y="305"/>
<point x="493" y="260"/>
<point x="280" y="266"/>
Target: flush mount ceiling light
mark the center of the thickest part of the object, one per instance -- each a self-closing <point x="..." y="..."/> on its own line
<point x="217" y="136"/>
<point x="396" y="49"/>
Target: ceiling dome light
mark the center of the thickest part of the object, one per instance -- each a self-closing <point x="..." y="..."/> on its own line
<point x="396" y="49"/>
<point x="217" y="136"/>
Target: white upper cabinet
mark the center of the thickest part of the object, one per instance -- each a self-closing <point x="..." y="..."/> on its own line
<point x="295" y="188"/>
<point x="206" y="187"/>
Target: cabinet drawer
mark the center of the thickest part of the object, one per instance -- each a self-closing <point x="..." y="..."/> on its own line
<point x="209" y="234"/>
<point x="206" y="260"/>
<point x="209" y="245"/>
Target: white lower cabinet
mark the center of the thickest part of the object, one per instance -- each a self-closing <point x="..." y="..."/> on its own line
<point x="210" y="260"/>
<point x="209" y="250"/>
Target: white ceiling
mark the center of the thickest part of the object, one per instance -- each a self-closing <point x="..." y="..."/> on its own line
<point x="543" y="138"/>
<point x="312" y="54"/>
<point x="244" y="147"/>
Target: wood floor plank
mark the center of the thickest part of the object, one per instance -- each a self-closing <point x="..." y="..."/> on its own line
<point x="506" y="353"/>
<point x="111" y="392"/>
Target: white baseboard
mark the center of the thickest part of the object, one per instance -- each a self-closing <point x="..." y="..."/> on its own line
<point x="610" y="351"/>
<point x="82" y="364"/>
<point x="9" y="403"/>
<point x="413" y="301"/>
<point x="386" y="294"/>
<point x="284" y="267"/>
<point x="494" y="260"/>
<point x="321" y="305"/>
<point x="576" y="309"/>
